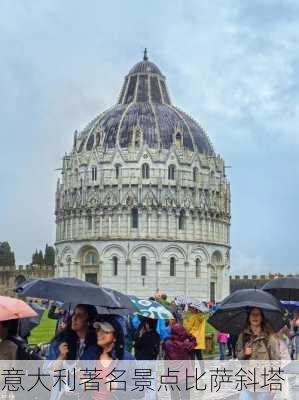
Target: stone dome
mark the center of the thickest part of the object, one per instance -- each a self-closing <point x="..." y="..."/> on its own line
<point x="144" y="106"/>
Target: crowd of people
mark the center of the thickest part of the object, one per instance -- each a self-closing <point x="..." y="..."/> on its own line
<point x="83" y="334"/>
<point x="80" y="335"/>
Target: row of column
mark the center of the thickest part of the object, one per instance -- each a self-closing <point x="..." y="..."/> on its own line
<point x="150" y="224"/>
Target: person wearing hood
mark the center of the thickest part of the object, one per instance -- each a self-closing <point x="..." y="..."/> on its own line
<point x="195" y="323"/>
<point x="179" y="346"/>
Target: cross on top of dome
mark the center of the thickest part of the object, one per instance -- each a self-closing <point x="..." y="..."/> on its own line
<point x="145" y="57"/>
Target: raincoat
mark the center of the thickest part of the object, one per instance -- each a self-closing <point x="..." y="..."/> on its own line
<point x="195" y="324"/>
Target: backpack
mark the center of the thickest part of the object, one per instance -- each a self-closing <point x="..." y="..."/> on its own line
<point x="24" y="352"/>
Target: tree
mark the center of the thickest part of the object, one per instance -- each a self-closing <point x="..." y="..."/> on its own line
<point x="34" y="258"/>
<point x="38" y="258"/>
<point x="7" y="257"/>
<point x="41" y="260"/>
<point x="49" y="255"/>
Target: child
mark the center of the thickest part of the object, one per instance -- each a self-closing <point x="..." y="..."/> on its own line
<point x="222" y="339"/>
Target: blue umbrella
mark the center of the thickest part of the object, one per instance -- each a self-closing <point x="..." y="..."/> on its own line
<point x="290" y="305"/>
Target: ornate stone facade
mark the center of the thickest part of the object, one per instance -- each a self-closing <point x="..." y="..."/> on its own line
<point x="144" y="202"/>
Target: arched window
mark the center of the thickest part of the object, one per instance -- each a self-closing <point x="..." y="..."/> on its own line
<point x="145" y="171"/>
<point x="143" y="266"/>
<point x="115" y="265"/>
<point x="182" y="220"/>
<point x="94" y="173"/>
<point x="117" y="170"/>
<point x="134" y="217"/>
<point x="197" y="268"/>
<point x="171" y="172"/>
<point x="178" y="140"/>
<point x="90" y="258"/>
<point x="172" y="266"/>
<point x="195" y="174"/>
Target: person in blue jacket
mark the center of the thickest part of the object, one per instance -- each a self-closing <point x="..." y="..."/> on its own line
<point x="78" y="341"/>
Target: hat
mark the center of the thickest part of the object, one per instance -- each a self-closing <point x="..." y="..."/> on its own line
<point x="105" y="326"/>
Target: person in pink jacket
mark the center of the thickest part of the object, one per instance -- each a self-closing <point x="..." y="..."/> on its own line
<point x="222" y="339"/>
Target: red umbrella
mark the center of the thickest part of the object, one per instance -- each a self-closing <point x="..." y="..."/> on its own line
<point x="12" y="308"/>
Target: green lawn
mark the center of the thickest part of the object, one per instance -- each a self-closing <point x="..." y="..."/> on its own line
<point x="44" y="332"/>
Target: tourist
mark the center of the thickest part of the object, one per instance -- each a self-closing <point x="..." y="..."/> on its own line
<point x="222" y="339"/>
<point x="61" y="315"/>
<point x="111" y="345"/>
<point x="294" y="336"/>
<point x="257" y="342"/>
<point x="195" y="323"/>
<point x="78" y="340"/>
<point x="147" y="340"/>
<point x="179" y="346"/>
<point x="8" y="348"/>
<point x="231" y="346"/>
<point x="111" y="341"/>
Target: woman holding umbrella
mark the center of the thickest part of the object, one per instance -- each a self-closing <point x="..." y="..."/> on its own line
<point x="12" y="347"/>
<point x="254" y="315"/>
<point x="257" y="341"/>
<point x="78" y="341"/>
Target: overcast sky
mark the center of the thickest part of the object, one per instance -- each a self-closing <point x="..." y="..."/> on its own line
<point x="232" y="65"/>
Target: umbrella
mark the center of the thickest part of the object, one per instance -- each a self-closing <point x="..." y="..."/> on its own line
<point x="283" y="288"/>
<point x="198" y="305"/>
<point x="27" y="324"/>
<point x="150" y="309"/>
<point x="11" y="308"/>
<point x="290" y="305"/>
<point x="75" y="291"/>
<point x="182" y="300"/>
<point x="232" y="314"/>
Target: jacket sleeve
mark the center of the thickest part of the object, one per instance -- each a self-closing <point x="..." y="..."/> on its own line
<point x="8" y="350"/>
<point x="273" y="348"/>
<point x="190" y="343"/>
<point x="240" y="348"/>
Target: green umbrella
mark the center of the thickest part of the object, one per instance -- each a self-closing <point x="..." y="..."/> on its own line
<point x="150" y="309"/>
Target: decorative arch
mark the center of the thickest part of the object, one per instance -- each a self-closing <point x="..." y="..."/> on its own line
<point x="217" y="258"/>
<point x="66" y="252"/>
<point x="113" y="250"/>
<point x="84" y="251"/>
<point x="145" y="247"/>
<point x="173" y="250"/>
<point x="201" y="252"/>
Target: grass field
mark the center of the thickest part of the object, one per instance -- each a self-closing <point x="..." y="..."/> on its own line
<point x="44" y="332"/>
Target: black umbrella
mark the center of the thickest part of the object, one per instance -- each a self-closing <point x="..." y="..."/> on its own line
<point x="27" y="324"/>
<point x="75" y="291"/>
<point x="283" y="288"/>
<point x="231" y="316"/>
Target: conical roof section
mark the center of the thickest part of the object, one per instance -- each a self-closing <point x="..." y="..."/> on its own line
<point x="144" y="106"/>
<point x="144" y="83"/>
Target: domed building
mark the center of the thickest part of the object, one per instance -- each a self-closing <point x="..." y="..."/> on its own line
<point x="143" y="202"/>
